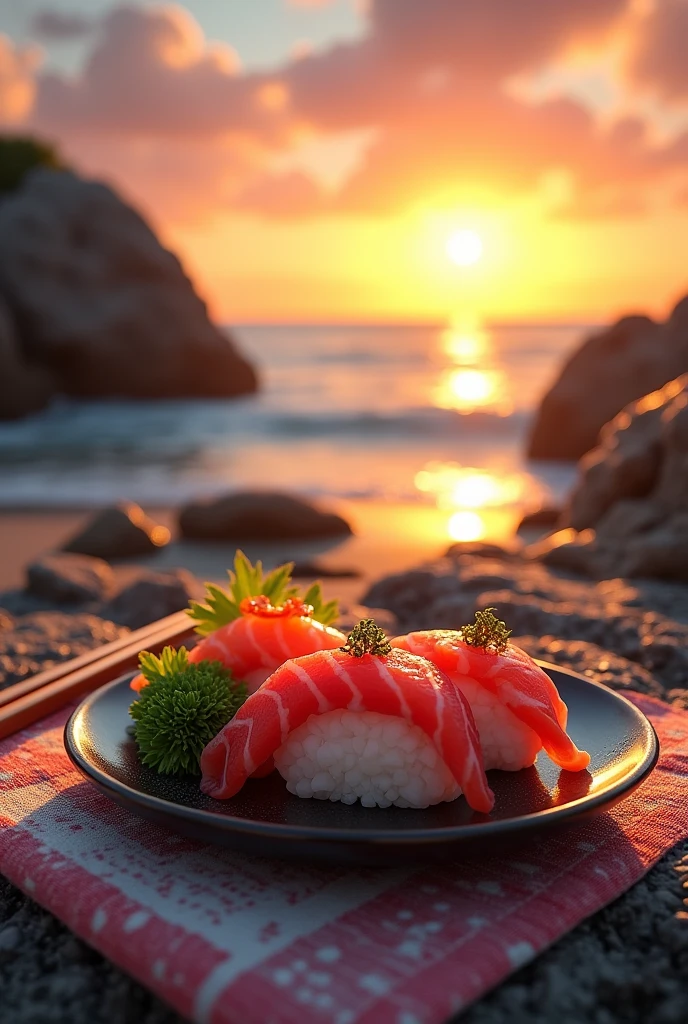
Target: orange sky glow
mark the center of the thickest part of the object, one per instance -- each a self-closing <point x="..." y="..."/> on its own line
<point x="326" y="187"/>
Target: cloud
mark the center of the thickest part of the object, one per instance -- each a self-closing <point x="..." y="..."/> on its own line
<point x="292" y="194"/>
<point x="166" y="111"/>
<point x="18" y="65"/>
<point x="658" y="50"/>
<point x="60" y="25"/>
<point x="150" y="71"/>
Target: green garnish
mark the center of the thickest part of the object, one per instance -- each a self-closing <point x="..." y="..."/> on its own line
<point x="366" y="638"/>
<point x="487" y="632"/>
<point x="223" y="606"/>
<point x="181" y="709"/>
<point x="153" y="669"/>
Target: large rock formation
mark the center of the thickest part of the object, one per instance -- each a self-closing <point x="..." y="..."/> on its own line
<point x="24" y="387"/>
<point x="628" y="513"/>
<point x="100" y="303"/>
<point x="611" y="369"/>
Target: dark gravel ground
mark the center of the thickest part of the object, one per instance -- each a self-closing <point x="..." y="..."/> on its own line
<point x="626" y="965"/>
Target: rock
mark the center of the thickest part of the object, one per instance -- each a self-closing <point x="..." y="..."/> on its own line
<point x="123" y="531"/>
<point x="349" y="615"/>
<point x="150" y="596"/>
<point x="100" y="304"/>
<point x="411" y="594"/>
<point x="69" y="578"/>
<point x="511" y="548"/>
<point x="568" y="550"/>
<point x="627" y="518"/>
<point x="661" y="552"/>
<point x="629" y="636"/>
<point x="37" y="641"/>
<point x="610" y="369"/>
<point x="10" y="938"/>
<point x="314" y="570"/>
<point x="259" y="515"/>
<point x="627" y="461"/>
<point x="542" y="518"/>
<point x="633" y="489"/>
<point x="672" y="484"/>
<point x="24" y="387"/>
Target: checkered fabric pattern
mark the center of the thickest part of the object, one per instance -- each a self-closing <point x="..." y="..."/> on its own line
<point x="231" y="939"/>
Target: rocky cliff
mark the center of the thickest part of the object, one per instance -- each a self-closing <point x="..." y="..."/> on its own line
<point x="95" y="306"/>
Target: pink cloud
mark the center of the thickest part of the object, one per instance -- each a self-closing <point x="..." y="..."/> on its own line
<point x="17" y="80"/>
<point x="169" y="113"/>
<point x="291" y="194"/>
<point x="150" y="71"/>
<point x="658" y="57"/>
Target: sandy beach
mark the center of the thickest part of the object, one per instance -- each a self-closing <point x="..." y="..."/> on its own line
<point x="387" y="538"/>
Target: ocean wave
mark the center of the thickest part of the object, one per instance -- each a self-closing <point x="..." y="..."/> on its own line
<point x="180" y="430"/>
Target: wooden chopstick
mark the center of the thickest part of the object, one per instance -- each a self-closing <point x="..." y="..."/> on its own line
<point x="28" y="701"/>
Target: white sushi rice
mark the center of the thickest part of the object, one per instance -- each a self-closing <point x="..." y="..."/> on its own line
<point x="378" y="759"/>
<point x="507" y="743"/>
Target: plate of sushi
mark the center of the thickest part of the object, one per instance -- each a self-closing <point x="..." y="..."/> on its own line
<point x="274" y="732"/>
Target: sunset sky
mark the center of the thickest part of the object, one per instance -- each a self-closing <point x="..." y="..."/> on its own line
<point x="310" y="160"/>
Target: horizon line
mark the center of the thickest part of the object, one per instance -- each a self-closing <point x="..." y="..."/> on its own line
<point x="434" y="324"/>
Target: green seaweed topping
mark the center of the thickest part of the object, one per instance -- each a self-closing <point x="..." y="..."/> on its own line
<point x="487" y="632"/>
<point x="223" y="605"/>
<point x="182" y="709"/>
<point x="366" y="638"/>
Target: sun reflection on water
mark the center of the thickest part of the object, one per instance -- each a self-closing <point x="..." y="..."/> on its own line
<point x="465" y="346"/>
<point x="472" y="382"/>
<point x="466" y="526"/>
<point x="480" y="502"/>
<point x="467" y="390"/>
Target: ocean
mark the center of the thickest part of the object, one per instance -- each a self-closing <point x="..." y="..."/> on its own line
<point x="410" y="414"/>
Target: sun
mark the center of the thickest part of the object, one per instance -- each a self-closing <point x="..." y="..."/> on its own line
<point x="464" y="247"/>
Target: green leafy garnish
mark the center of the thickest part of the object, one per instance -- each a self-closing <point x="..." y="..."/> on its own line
<point x="366" y="638"/>
<point x="487" y="632"/>
<point x="223" y="606"/>
<point x="170" y="661"/>
<point x="182" y="709"/>
<point x="325" y="612"/>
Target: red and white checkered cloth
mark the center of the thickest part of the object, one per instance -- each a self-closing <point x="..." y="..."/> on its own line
<point x="231" y="939"/>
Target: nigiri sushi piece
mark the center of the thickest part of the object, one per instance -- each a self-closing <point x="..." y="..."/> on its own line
<point x="265" y="636"/>
<point x="259" y="624"/>
<point x="516" y="706"/>
<point x="386" y="728"/>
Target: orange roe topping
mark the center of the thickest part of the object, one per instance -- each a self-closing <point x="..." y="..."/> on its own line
<point x="262" y="607"/>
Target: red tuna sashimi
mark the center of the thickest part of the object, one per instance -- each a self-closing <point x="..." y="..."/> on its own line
<point x="399" y="684"/>
<point x="253" y="646"/>
<point x="514" y="679"/>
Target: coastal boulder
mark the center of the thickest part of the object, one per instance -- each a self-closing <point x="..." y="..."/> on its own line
<point x="148" y="596"/>
<point x="628" y="512"/>
<point x="69" y="578"/>
<point x="626" y="463"/>
<point x="123" y="531"/>
<point x="24" y="387"/>
<point x="611" y="369"/>
<point x="100" y="304"/>
<point x="259" y="515"/>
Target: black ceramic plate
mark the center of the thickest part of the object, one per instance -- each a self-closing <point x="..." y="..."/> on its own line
<point x="266" y="819"/>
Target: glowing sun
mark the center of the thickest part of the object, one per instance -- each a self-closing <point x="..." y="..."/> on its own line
<point x="464" y="247"/>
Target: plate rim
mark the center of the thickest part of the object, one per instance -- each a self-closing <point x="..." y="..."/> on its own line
<point x="232" y="824"/>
